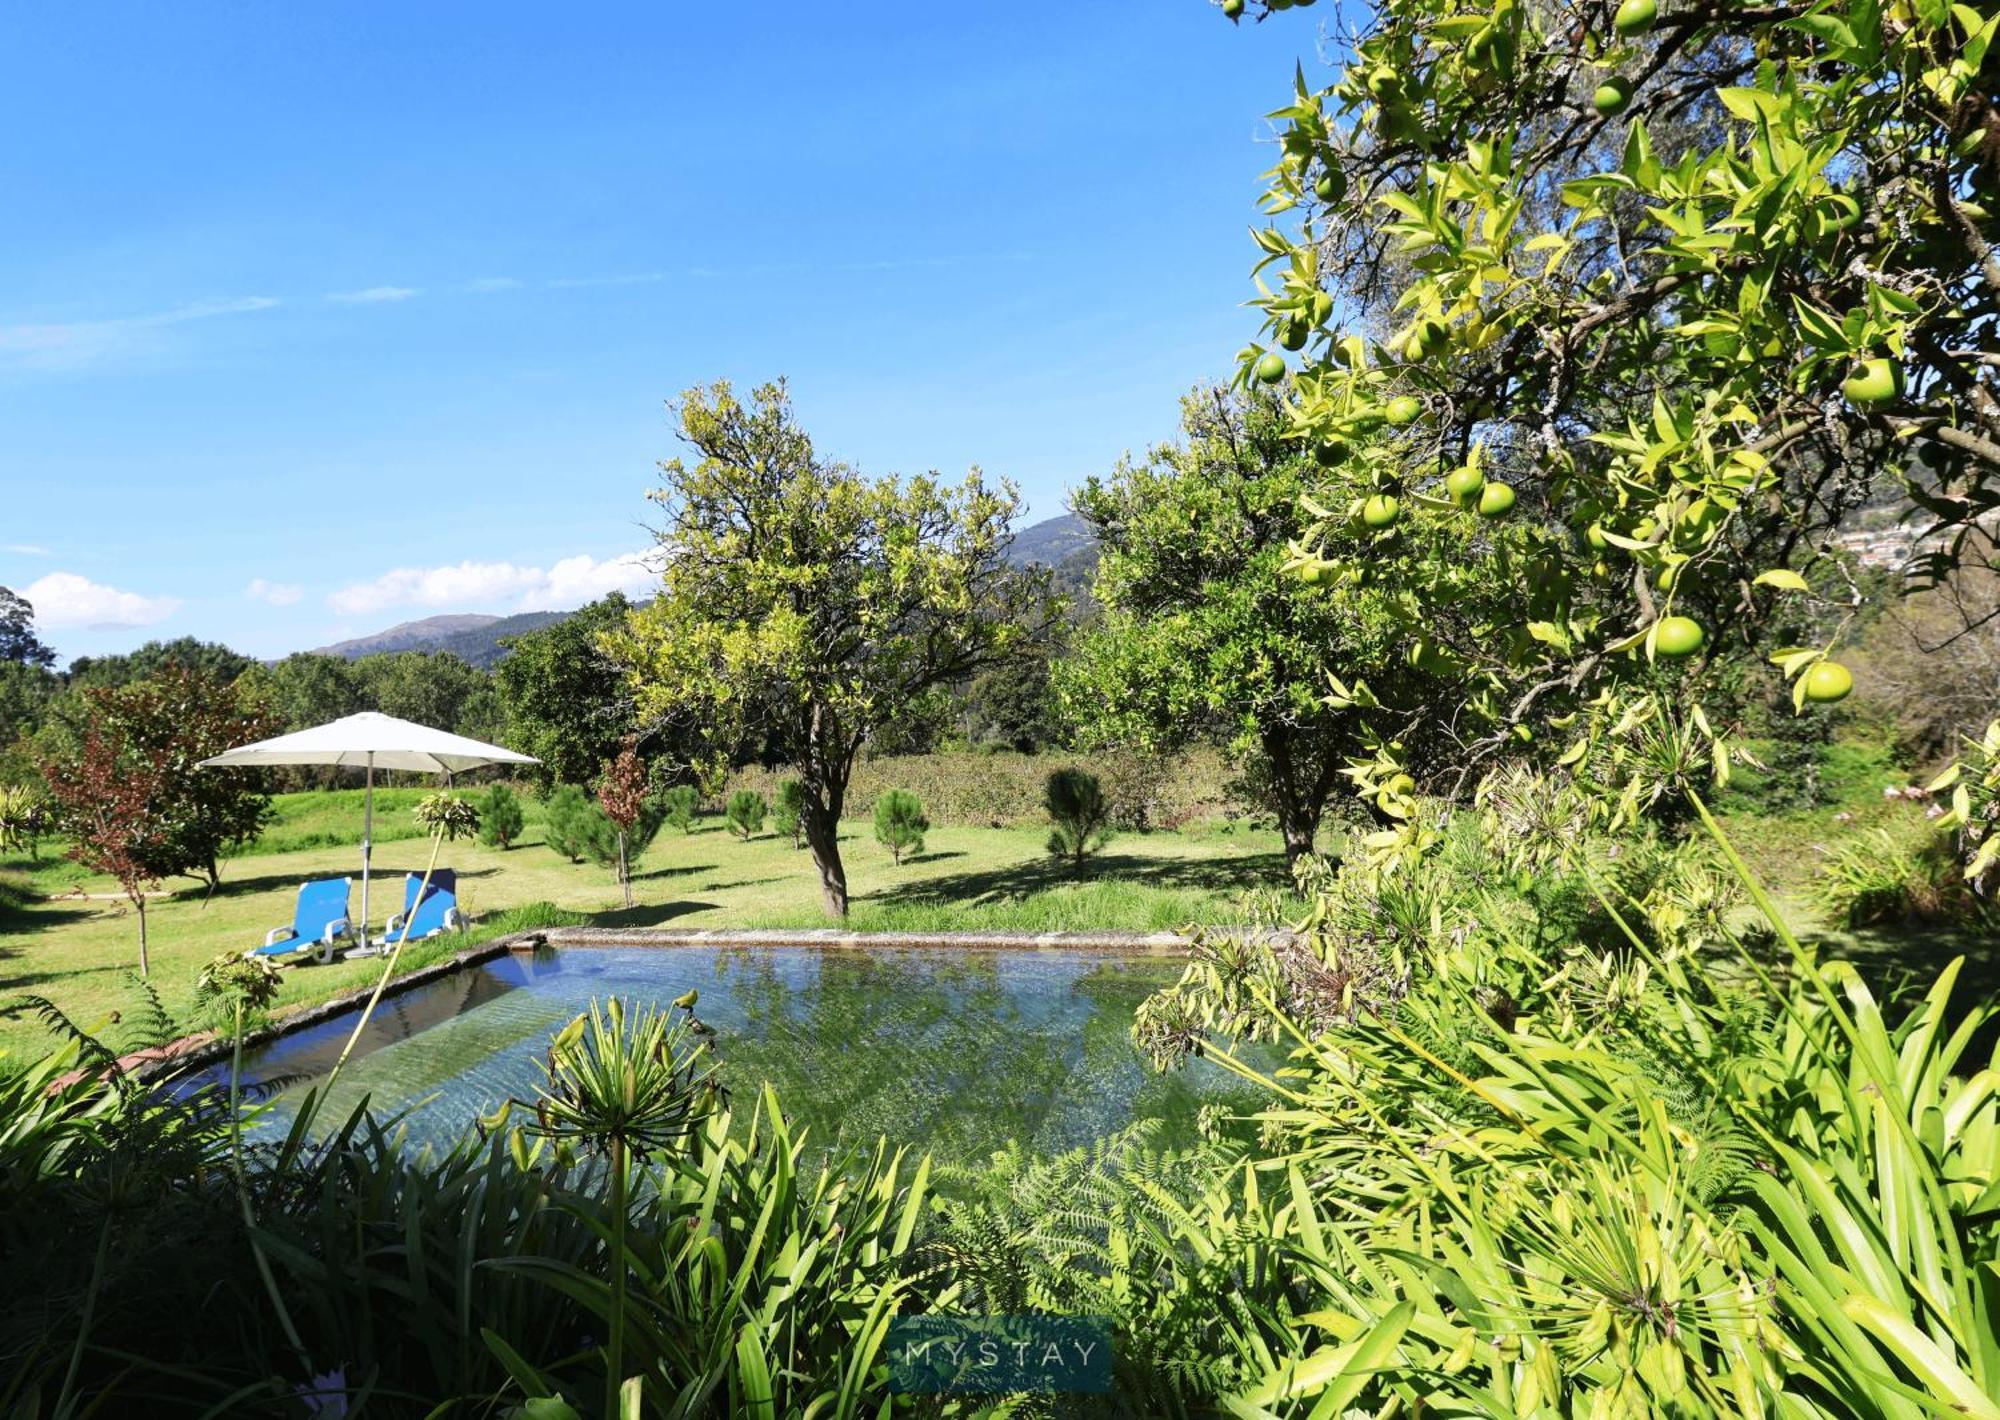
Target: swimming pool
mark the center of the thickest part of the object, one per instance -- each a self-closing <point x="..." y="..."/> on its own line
<point x="953" y="1050"/>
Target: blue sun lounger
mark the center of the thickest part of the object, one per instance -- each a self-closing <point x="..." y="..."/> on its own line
<point x="319" y="920"/>
<point x="438" y="912"/>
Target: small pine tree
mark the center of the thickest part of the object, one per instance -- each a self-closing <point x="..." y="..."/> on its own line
<point x="500" y="817"/>
<point x="788" y="814"/>
<point x="900" y="823"/>
<point x="746" y="813"/>
<point x="682" y="804"/>
<point x="568" y="828"/>
<point x="1082" y="817"/>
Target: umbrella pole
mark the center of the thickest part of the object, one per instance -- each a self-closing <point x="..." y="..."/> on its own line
<point x="367" y="845"/>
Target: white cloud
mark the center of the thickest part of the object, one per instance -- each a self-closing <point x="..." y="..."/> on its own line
<point x="24" y="549"/>
<point x="65" y="599"/>
<point x="373" y="295"/>
<point x="70" y="345"/>
<point x="576" y="580"/>
<point x="276" y="593"/>
<point x="468" y="585"/>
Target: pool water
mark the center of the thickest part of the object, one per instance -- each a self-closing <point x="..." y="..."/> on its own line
<point x="954" y="1051"/>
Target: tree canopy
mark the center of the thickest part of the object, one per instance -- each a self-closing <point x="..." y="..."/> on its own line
<point x="805" y="604"/>
<point x="1204" y="634"/>
<point x="18" y="642"/>
<point x="1687" y="283"/>
<point x="565" y="698"/>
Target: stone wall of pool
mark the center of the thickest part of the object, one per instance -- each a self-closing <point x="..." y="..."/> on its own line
<point x="205" y="1049"/>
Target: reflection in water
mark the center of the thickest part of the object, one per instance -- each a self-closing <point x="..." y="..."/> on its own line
<point x="950" y="1050"/>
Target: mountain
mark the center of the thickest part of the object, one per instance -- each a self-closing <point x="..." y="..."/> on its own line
<point x="1052" y="542"/>
<point x="474" y="637"/>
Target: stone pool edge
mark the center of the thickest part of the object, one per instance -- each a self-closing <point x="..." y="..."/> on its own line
<point x="206" y="1048"/>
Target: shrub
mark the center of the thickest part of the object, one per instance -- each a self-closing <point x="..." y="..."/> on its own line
<point x="900" y="823"/>
<point x="1076" y="804"/>
<point x="746" y="812"/>
<point x="569" y="828"/>
<point x="682" y="804"/>
<point x="500" y="817"/>
<point x="788" y="811"/>
<point x="1888" y="877"/>
<point x="1003" y="789"/>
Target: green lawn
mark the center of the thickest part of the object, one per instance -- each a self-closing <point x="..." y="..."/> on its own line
<point x="83" y="955"/>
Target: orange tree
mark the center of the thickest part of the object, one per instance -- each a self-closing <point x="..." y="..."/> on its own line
<point x="1203" y="637"/>
<point x="1660" y="289"/>
<point x="805" y="606"/>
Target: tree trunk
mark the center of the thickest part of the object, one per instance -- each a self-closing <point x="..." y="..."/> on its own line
<point x="139" y="903"/>
<point x="829" y="760"/>
<point x="624" y="869"/>
<point x="823" y="836"/>
<point x="1299" y="806"/>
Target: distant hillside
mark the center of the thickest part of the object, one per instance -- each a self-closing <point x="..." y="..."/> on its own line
<point x="1053" y="541"/>
<point x="474" y="637"/>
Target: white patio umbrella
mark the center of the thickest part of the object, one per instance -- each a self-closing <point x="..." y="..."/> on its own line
<point x="370" y="741"/>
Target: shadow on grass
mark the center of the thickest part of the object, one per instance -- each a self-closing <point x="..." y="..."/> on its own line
<point x="36" y="978"/>
<point x="934" y="857"/>
<point x="1205" y="875"/>
<point x="649" y="914"/>
<point x="642" y="875"/>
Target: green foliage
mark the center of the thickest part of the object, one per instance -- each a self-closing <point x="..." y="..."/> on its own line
<point x="805" y="605"/>
<point x="307" y="689"/>
<point x="24" y="819"/>
<point x="566" y="701"/>
<point x="500" y="817"/>
<point x="1076" y="806"/>
<point x="447" y="815"/>
<point x="1893" y="877"/>
<point x="1692" y="339"/>
<point x="209" y="660"/>
<point x="172" y="722"/>
<point x="900" y="823"/>
<point x="1537" y="1167"/>
<point x="570" y="822"/>
<point x="433" y="688"/>
<point x="19" y="645"/>
<point x="788" y="811"/>
<point x="745" y="813"/>
<point x="682" y="803"/>
<point x="1211" y="629"/>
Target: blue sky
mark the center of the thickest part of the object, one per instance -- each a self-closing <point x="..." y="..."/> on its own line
<point x="317" y="319"/>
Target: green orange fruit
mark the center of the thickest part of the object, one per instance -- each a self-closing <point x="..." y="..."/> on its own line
<point x="1430" y="338"/>
<point x="1635" y="17"/>
<point x="1403" y="409"/>
<point x="1827" y="682"/>
<point x="1330" y="453"/>
<point x="1380" y="511"/>
<point x="1463" y="484"/>
<point x="1232" y="8"/>
<point x="1293" y="334"/>
<point x="1612" y="96"/>
<point x="1874" y="383"/>
<point x="1677" y="636"/>
<point x="1594" y="539"/>
<point x="1271" y="368"/>
<point x="1496" y="500"/>
<point x="1400" y="784"/>
<point x="1330" y="186"/>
